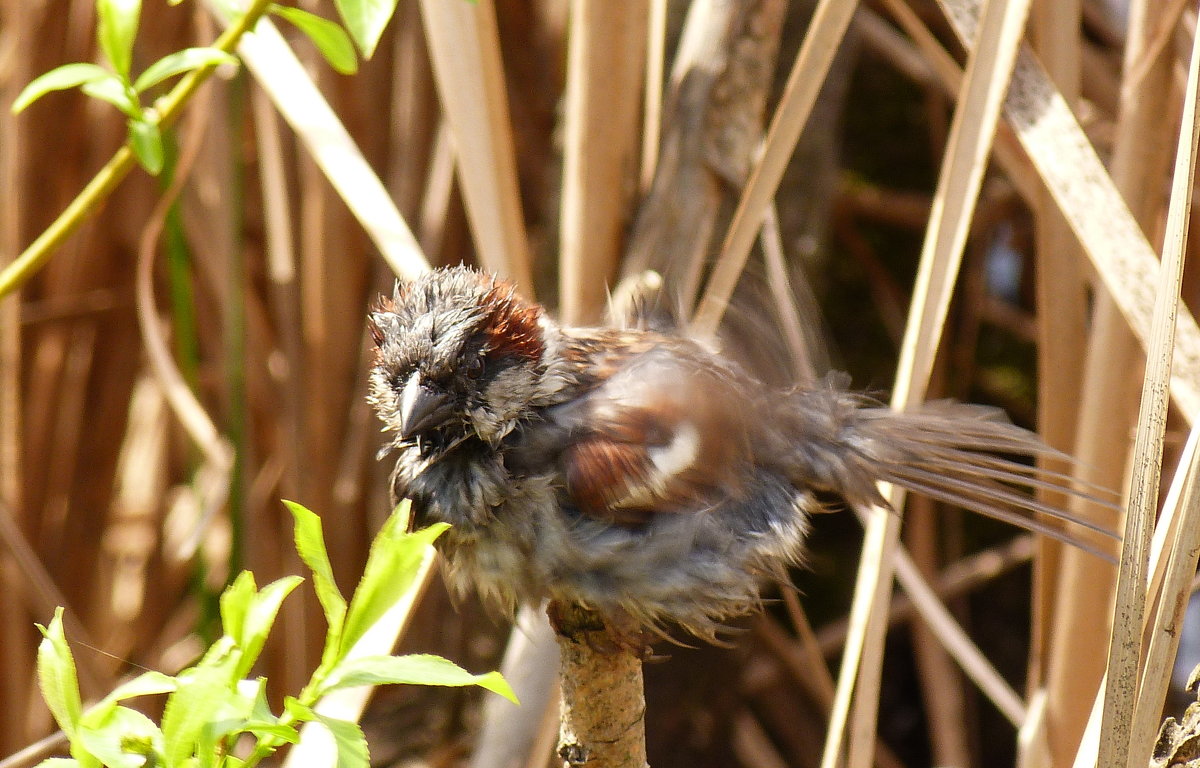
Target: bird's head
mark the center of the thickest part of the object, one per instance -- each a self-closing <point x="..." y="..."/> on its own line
<point x="459" y="355"/>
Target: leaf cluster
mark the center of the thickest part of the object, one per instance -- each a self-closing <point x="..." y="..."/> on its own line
<point x="117" y="24"/>
<point x="214" y="703"/>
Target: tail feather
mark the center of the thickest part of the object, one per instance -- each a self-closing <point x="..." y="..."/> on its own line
<point x="946" y="451"/>
<point x="1029" y="476"/>
<point x="981" y="491"/>
<point x="1005" y="514"/>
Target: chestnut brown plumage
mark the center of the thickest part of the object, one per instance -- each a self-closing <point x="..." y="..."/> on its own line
<point x="634" y="471"/>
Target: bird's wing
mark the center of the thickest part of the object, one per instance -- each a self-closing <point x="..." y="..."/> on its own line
<point x="663" y="433"/>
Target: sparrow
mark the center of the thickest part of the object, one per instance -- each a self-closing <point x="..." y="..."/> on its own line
<point x="639" y="472"/>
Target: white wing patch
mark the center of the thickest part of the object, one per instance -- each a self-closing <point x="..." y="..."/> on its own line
<point x="680" y="454"/>
<point x="669" y="462"/>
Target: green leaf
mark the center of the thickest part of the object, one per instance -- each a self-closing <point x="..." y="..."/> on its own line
<point x="418" y="669"/>
<point x="210" y="742"/>
<point x="57" y="677"/>
<point x="310" y="543"/>
<point x="331" y="40"/>
<point x="260" y="617"/>
<point x="146" y="142"/>
<point x="116" y="27"/>
<point x="223" y="655"/>
<point x="204" y="694"/>
<point x="146" y="684"/>
<point x="235" y="601"/>
<point x="179" y="62"/>
<point x="279" y="731"/>
<point x="351" y="744"/>
<point x="300" y="712"/>
<point x="123" y="738"/>
<point x="112" y="89"/>
<point x="260" y="710"/>
<point x="390" y="572"/>
<point x="229" y="720"/>
<point x="365" y="20"/>
<point x="60" y="78"/>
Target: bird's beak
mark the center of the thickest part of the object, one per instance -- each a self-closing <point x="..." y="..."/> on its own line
<point x="421" y="407"/>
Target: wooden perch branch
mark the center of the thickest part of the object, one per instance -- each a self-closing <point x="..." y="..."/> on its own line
<point x="603" y="707"/>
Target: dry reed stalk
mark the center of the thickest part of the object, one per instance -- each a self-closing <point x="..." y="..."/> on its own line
<point x="131" y="530"/>
<point x="886" y="41"/>
<point x="943" y="696"/>
<point x="753" y="745"/>
<point x="1169" y="584"/>
<point x="320" y="235"/>
<point x="283" y="274"/>
<point x="439" y="196"/>
<point x="970" y="137"/>
<point x="784" y="295"/>
<point x="15" y="668"/>
<point x="1125" y="650"/>
<point x="656" y="57"/>
<point x="414" y="121"/>
<point x="278" y="71"/>
<point x="606" y="64"/>
<point x="825" y="32"/>
<point x="956" y="580"/>
<point x="1008" y="153"/>
<point x="1061" y="299"/>
<point x="327" y="280"/>
<point x="802" y="660"/>
<point x="1084" y="192"/>
<point x="522" y="736"/>
<point x="1140" y="161"/>
<point x="1075" y="659"/>
<point x="465" y="49"/>
<point x="956" y="642"/>
<point x="719" y="82"/>
<point x="1172" y="597"/>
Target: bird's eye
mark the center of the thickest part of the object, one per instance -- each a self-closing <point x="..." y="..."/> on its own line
<point x="474" y="368"/>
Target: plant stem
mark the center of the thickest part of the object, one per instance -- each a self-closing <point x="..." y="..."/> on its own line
<point x="114" y="171"/>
